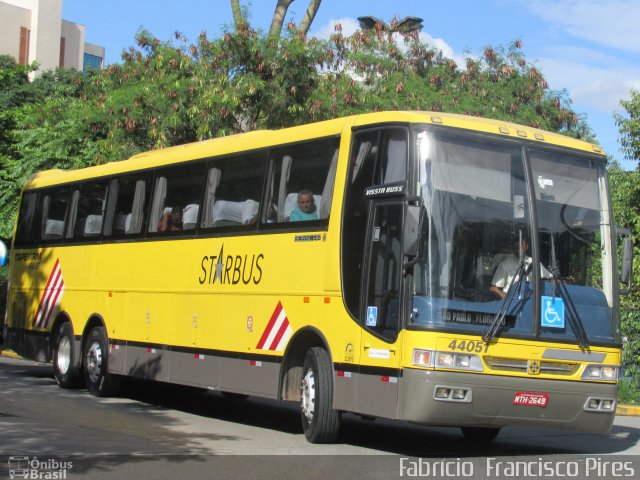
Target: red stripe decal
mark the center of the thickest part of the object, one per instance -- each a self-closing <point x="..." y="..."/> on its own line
<point x="49" y="302"/>
<point x="270" y="325"/>
<point x="283" y="328"/>
<point x="45" y="295"/>
<point x="52" y="306"/>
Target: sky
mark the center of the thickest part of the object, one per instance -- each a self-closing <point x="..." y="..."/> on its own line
<point x="590" y="48"/>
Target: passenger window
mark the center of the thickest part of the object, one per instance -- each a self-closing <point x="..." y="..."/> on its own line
<point x="176" y="199"/>
<point x="87" y="210"/>
<point x="233" y="191"/>
<point x="26" y="232"/>
<point x="301" y="181"/>
<point x="128" y="205"/>
<point x="55" y="205"/>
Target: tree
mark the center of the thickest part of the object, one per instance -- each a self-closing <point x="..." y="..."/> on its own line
<point x="174" y="92"/>
<point x="282" y="6"/>
<point x="629" y="128"/>
<point x="625" y="196"/>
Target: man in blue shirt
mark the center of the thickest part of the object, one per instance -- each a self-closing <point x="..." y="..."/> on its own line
<point x="306" y="208"/>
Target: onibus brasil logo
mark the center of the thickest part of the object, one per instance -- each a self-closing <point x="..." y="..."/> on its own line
<point x="36" y="469"/>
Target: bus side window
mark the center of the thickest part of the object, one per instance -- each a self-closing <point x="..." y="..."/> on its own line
<point x="306" y="170"/>
<point x="176" y="199"/>
<point x="26" y="232"/>
<point x="55" y="206"/>
<point x="127" y="205"/>
<point x="233" y="191"/>
<point x="87" y="210"/>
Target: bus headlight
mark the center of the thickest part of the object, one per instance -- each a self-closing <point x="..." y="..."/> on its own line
<point x="600" y="372"/>
<point x="459" y="361"/>
<point x="449" y="360"/>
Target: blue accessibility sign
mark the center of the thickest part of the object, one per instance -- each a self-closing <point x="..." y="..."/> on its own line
<point x="552" y="312"/>
<point x="372" y="316"/>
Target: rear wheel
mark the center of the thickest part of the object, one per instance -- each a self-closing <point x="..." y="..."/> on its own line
<point x="320" y="421"/>
<point x="95" y="360"/>
<point x="480" y="434"/>
<point x="65" y="371"/>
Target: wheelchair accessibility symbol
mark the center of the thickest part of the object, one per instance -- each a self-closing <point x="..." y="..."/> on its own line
<point x="372" y="316"/>
<point x="552" y="314"/>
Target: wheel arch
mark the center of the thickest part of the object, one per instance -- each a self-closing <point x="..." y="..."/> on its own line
<point x="95" y="320"/>
<point x="61" y="318"/>
<point x="293" y="360"/>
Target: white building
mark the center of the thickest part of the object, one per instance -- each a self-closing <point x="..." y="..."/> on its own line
<point x="34" y="30"/>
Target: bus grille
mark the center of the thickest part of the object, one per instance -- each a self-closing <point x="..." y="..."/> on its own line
<point x="520" y="365"/>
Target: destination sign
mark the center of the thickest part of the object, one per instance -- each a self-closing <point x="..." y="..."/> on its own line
<point x="474" y="318"/>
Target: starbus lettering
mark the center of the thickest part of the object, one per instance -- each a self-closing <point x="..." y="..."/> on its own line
<point x="231" y="269"/>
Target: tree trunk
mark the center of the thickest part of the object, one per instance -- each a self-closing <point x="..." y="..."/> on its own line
<point x="314" y="5"/>
<point x="278" y="17"/>
<point x="238" y="19"/>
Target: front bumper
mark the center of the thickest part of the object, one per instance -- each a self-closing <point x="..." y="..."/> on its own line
<point x="491" y="401"/>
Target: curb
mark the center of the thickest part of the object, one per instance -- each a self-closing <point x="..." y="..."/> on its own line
<point x="628" y="410"/>
<point x="9" y="354"/>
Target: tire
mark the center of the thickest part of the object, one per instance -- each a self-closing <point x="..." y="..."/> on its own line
<point x="480" y="434"/>
<point x="65" y="371"/>
<point x="95" y="361"/>
<point x="320" y="422"/>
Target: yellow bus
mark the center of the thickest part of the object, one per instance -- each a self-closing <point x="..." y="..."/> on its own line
<point x="427" y="267"/>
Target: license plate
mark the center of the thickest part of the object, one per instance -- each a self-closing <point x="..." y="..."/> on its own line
<point x="531" y="399"/>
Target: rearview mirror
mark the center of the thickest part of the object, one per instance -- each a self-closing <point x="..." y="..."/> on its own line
<point x="411" y="238"/>
<point x="627" y="260"/>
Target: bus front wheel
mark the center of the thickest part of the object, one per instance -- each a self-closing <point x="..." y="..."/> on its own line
<point x="95" y="365"/>
<point x="320" y="421"/>
<point x="65" y="370"/>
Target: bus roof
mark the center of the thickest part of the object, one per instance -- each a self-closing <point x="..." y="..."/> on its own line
<point x="264" y="138"/>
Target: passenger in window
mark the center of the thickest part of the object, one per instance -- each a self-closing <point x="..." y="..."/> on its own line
<point x="171" y="222"/>
<point x="306" y="207"/>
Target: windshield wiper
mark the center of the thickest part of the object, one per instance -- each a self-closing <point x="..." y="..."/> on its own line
<point x="572" y="312"/>
<point x="514" y="287"/>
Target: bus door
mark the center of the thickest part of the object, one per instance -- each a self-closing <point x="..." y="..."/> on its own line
<point x="382" y="307"/>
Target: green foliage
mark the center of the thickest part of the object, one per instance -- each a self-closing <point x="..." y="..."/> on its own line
<point x="628" y="391"/>
<point x="625" y="196"/>
<point x="629" y="127"/>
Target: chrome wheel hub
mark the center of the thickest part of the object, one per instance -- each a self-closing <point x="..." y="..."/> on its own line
<point x="63" y="359"/>
<point x="308" y="395"/>
<point x="94" y="362"/>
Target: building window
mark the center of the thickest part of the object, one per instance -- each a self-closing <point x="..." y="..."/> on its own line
<point x="23" y="58"/>
<point x="91" y="61"/>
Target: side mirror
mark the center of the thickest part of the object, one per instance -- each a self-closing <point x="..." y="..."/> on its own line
<point x="4" y="253"/>
<point x="411" y="237"/>
<point x="627" y="260"/>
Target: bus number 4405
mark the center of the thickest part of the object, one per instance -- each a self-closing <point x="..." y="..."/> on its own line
<point x="468" y="346"/>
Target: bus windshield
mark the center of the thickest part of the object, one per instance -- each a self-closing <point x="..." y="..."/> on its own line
<point x="478" y="240"/>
